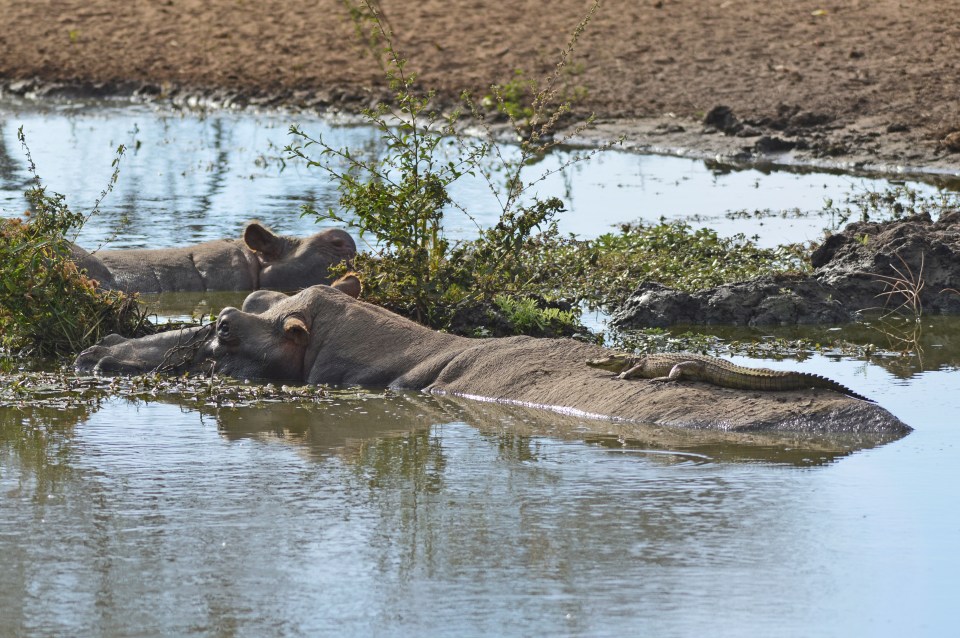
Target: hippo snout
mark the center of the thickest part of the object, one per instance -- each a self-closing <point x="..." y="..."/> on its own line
<point x="100" y="360"/>
<point x="184" y="350"/>
<point x="87" y="360"/>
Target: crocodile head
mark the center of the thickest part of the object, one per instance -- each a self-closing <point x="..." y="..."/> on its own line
<point x="612" y="363"/>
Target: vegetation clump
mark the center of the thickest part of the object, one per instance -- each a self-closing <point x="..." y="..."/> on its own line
<point x="62" y="391"/>
<point x="520" y="275"/>
<point x="605" y="271"/>
<point x="47" y="306"/>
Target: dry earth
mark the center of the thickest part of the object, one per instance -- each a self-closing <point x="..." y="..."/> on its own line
<point x="864" y="83"/>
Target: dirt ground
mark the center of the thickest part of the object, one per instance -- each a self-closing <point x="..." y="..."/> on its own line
<point x="857" y="84"/>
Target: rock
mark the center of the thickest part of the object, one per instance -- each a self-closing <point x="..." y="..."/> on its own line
<point x="951" y="142"/>
<point x="722" y="119"/>
<point x="855" y="270"/>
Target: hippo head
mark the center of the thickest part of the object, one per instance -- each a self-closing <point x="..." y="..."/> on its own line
<point x="294" y="263"/>
<point x="269" y="337"/>
<point x="266" y="340"/>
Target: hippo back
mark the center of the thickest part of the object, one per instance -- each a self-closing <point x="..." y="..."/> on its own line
<point x="223" y="264"/>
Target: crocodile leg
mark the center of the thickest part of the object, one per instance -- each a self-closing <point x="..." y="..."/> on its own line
<point x="677" y="371"/>
<point x="629" y="373"/>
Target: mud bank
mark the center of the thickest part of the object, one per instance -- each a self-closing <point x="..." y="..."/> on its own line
<point x="864" y="86"/>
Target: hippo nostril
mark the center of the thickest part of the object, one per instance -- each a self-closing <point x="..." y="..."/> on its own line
<point x="223" y="328"/>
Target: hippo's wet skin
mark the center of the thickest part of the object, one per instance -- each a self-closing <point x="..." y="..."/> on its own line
<point x="324" y="336"/>
<point x="261" y="260"/>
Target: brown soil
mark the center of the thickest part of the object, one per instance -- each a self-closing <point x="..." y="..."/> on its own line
<point x="856" y="84"/>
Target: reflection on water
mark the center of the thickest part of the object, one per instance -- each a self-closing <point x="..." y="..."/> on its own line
<point x="903" y="348"/>
<point x="401" y="513"/>
<point x="190" y="177"/>
<point x="191" y="306"/>
<point x="344" y="426"/>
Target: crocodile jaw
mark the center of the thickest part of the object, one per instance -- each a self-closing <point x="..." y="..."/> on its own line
<point x="610" y="364"/>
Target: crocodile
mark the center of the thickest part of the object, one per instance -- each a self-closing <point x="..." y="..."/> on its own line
<point x="697" y="367"/>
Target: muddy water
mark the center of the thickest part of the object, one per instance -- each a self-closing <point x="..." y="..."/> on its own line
<point x="409" y="515"/>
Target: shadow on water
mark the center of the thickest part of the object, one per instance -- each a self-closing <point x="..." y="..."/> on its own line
<point x="944" y="181"/>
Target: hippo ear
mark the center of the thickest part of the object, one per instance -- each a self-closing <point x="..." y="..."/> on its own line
<point x="296" y="330"/>
<point x="349" y="283"/>
<point x="262" y="240"/>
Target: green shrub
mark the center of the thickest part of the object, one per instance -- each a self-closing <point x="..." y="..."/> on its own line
<point x="399" y="198"/>
<point x="527" y="317"/>
<point x="513" y="98"/>
<point x="47" y="306"/>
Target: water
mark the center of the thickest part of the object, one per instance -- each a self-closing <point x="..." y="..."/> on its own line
<point x="189" y="177"/>
<point x="410" y="515"/>
<point x="407" y="515"/>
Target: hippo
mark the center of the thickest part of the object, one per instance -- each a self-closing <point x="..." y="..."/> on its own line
<point x="326" y="335"/>
<point x="261" y="260"/>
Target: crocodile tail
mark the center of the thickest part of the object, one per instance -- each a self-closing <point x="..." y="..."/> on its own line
<point x="780" y="380"/>
<point x="818" y="381"/>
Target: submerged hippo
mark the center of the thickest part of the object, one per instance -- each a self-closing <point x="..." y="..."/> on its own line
<point x="261" y="260"/>
<point x="324" y="336"/>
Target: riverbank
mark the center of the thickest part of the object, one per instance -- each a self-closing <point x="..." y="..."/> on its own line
<point x="857" y="87"/>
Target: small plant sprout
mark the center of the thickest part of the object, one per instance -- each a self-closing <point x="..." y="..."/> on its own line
<point x="906" y="288"/>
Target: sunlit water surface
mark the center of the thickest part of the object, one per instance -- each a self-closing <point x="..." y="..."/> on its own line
<point x="189" y="177"/>
<point x="407" y="515"/>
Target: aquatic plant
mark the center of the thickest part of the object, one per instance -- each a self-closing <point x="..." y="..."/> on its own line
<point x="894" y="202"/>
<point x="905" y="287"/>
<point x="605" y="271"/>
<point x="64" y="390"/>
<point x="47" y="306"/>
<point x="901" y="323"/>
